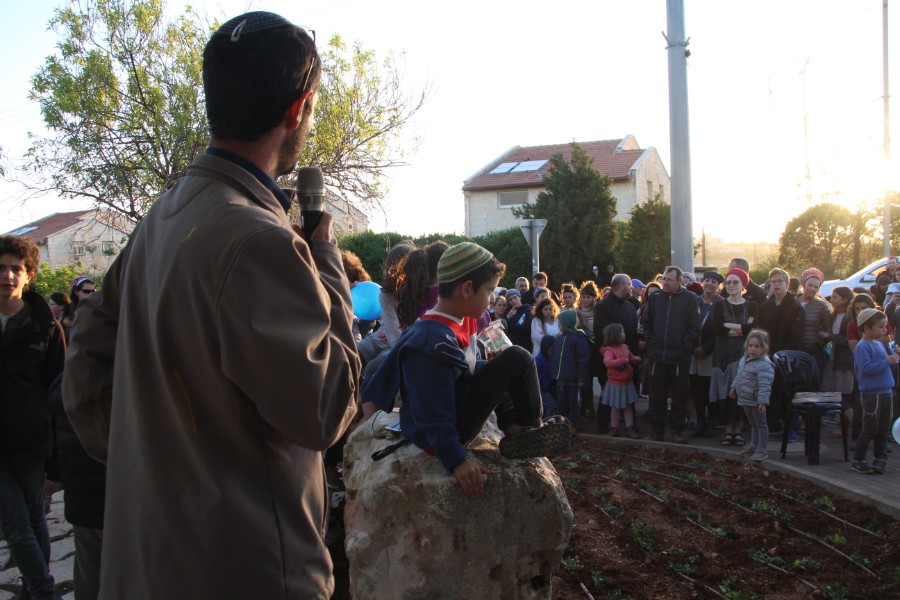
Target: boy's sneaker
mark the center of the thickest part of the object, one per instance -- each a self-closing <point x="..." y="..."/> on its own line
<point x="748" y="451"/>
<point x="549" y="439"/>
<point x="759" y="455"/>
<point x="861" y="466"/>
<point x="878" y="465"/>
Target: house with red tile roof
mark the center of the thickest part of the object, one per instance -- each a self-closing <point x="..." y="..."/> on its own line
<point x="91" y="237"/>
<point x="516" y="177"/>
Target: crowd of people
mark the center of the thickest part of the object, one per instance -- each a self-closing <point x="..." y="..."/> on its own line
<point x="701" y="351"/>
<point x="221" y="358"/>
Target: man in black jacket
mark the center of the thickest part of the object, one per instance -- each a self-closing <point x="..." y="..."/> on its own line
<point x="615" y="308"/>
<point x="671" y="326"/>
<point x="32" y="351"/>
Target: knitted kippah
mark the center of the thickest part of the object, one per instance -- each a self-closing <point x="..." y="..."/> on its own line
<point x="460" y="260"/>
<point x="864" y="315"/>
<point x="252" y="22"/>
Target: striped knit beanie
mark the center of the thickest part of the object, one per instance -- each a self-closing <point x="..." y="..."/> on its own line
<point x="460" y="260"/>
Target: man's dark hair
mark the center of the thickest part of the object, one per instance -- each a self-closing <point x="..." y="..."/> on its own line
<point x="251" y="81"/>
<point x="741" y="263"/>
<point x="539" y="275"/>
<point x="486" y="272"/>
<point x="23" y="248"/>
<point x="679" y="274"/>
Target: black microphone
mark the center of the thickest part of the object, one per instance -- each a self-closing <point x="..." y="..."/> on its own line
<point x="310" y="197"/>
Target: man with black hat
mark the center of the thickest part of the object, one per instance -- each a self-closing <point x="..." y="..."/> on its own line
<point x="218" y="360"/>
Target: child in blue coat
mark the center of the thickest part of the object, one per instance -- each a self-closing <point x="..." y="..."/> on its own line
<point x="571" y="365"/>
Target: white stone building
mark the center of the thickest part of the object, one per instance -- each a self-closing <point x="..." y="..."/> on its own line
<point x="91" y="237"/>
<point x="516" y="177"/>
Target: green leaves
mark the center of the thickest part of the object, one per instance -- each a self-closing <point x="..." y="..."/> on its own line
<point x="122" y="98"/>
<point x="580" y="211"/>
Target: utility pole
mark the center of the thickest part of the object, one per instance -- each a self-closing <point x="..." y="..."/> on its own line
<point x="887" y="131"/>
<point x="679" y="134"/>
<point x="532" y="230"/>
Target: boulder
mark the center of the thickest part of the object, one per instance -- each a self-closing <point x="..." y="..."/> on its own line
<point x="411" y="533"/>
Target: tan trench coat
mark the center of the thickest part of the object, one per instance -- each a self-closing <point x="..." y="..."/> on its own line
<point x="228" y="347"/>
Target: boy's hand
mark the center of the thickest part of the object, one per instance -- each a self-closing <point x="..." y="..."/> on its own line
<point x="469" y="475"/>
<point x="893" y="358"/>
<point x="732" y="393"/>
<point x="635" y="358"/>
<point x="761" y="408"/>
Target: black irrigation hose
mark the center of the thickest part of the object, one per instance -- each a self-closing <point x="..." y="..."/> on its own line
<point x="830" y="547"/>
<point x="585" y="590"/>
<point x="788" y="526"/>
<point x="828" y="514"/>
<point x="777" y="568"/>
<point x="695" y="582"/>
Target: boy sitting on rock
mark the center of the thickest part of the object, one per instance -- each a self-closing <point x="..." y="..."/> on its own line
<point x="447" y="395"/>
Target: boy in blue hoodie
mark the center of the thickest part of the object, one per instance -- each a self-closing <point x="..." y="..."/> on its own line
<point x="447" y="394"/>
<point x="873" y="366"/>
<point x="570" y="365"/>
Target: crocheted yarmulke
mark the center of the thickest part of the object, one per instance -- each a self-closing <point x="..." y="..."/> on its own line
<point x="252" y="22"/>
<point x="864" y="315"/>
<point x="460" y="260"/>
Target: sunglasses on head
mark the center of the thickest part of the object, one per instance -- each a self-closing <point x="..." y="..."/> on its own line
<point x="83" y="291"/>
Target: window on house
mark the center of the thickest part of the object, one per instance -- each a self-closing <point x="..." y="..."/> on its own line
<point x="508" y="199"/>
<point x="649" y="189"/>
<point x="662" y="192"/>
<point x="107" y="247"/>
<point x="78" y="248"/>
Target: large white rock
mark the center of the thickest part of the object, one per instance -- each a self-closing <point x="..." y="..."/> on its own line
<point x="411" y="533"/>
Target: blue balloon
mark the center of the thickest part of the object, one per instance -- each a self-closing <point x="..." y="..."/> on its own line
<point x="365" y="300"/>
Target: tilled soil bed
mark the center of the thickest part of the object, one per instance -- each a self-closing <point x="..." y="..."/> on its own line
<point x="653" y="523"/>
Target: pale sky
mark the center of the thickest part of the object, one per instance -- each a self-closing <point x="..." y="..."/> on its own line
<point x="776" y="89"/>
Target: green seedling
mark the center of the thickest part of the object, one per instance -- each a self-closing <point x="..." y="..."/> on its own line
<point x="686" y="476"/>
<point x="642" y="534"/>
<point x="569" y="464"/>
<point x="612" y="510"/>
<point x="599" y="492"/>
<point x="835" y="539"/>
<point x="837" y="591"/>
<point x="572" y="563"/>
<point x="892" y="582"/>
<point x="727" y="586"/>
<point x="571" y="483"/>
<point x="682" y="562"/>
<point x="765" y="557"/>
<point x="597" y="579"/>
<point x="618" y="594"/>
<point x="824" y="503"/>
<point x="808" y="564"/>
<point x="858" y="557"/>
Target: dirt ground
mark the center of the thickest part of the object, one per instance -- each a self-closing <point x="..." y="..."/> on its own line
<point x="650" y="523"/>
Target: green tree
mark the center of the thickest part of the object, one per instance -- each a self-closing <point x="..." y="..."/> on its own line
<point x="57" y="280"/>
<point x="510" y="248"/>
<point x="371" y="248"/>
<point x="823" y="237"/>
<point x="646" y="249"/>
<point x="361" y="110"/>
<point x="580" y="211"/>
<point x="122" y="100"/>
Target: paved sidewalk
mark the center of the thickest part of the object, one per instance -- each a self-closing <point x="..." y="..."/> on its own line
<point x="832" y="473"/>
<point x="62" y="554"/>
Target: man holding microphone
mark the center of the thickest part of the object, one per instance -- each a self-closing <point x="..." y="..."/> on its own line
<point x="218" y="359"/>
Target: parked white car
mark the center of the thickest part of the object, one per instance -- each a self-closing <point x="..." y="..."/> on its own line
<point x="864" y="278"/>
